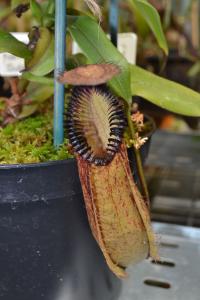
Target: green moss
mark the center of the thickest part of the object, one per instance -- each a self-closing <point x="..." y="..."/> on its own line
<point x="30" y="141"/>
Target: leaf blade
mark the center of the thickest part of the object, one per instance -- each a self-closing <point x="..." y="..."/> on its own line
<point x="97" y="47"/>
<point x="38" y="93"/>
<point x="40" y="79"/>
<point x="151" y="16"/>
<point x="164" y="93"/>
<point x="46" y="64"/>
<point x="10" y="44"/>
<point x="36" y="11"/>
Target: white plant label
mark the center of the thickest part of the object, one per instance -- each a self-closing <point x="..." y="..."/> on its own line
<point x="11" y="65"/>
<point x="127" y="45"/>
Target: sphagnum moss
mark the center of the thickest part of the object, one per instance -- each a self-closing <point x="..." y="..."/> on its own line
<point x="30" y="141"/>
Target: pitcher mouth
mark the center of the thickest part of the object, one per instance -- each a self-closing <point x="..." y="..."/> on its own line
<point x="95" y="123"/>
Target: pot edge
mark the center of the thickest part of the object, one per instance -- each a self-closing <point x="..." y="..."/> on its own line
<point x="40" y="164"/>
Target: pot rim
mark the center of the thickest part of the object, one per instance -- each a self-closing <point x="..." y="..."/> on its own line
<point x="39" y="164"/>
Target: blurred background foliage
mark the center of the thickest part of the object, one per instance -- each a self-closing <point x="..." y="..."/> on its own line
<point x="180" y="21"/>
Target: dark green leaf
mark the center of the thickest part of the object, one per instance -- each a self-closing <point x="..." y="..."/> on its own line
<point x="38" y="92"/>
<point x="10" y="44"/>
<point x="46" y="64"/>
<point x="36" y="11"/>
<point x="151" y="16"/>
<point x="28" y="110"/>
<point x="75" y="61"/>
<point x="48" y="21"/>
<point x="164" y="93"/>
<point x="97" y="47"/>
<point x="51" y="7"/>
<point x="40" y="79"/>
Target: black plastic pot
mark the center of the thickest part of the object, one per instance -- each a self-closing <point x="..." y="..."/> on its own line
<point x="47" y="251"/>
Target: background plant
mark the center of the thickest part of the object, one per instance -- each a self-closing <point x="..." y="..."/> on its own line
<point x="84" y="29"/>
<point x="35" y="86"/>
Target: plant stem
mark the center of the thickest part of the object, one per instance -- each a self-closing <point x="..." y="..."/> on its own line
<point x="138" y="161"/>
<point x="144" y="187"/>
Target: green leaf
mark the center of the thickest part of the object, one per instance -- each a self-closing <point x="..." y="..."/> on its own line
<point x="151" y="16"/>
<point x="46" y="64"/>
<point x="15" y="3"/>
<point x="10" y="44"/>
<point x="36" y="11"/>
<point x="28" y="110"/>
<point x="40" y="79"/>
<point x="41" y="37"/>
<point x="97" y="47"/>
<point x="164" y="93"/>
<point x="75" y="61"/>
<point x="194" y="70"/>
<point x="51" y="7"/>
<point x="48" y="21"/>
<point x="142" y="28"/>
<point x="38" y="92"/>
